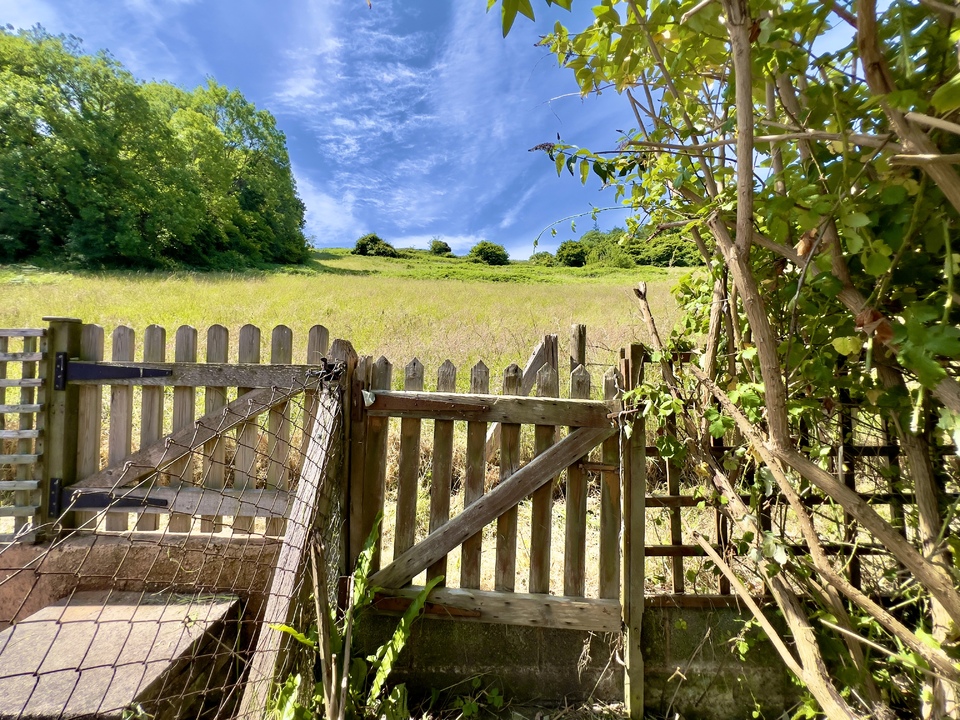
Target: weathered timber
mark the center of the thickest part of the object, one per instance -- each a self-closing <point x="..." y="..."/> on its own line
<point x="610" y="502"/>
<point x="191" y="374"/>
<point x="120" y="434"/>
<point x="20" y="409"/>
<point x="375" y="463"/>
<point x="175" y="445"/>
<point x="20" y="382"/>
<point x="546" y="352"/>
<point x="541" y="520"/>
<point x="492" y="408"/>
<point x="184" y="411"/>
<point x="18" y="434"/>
<point x="16" y="511"/>
<point x="578" y="346"/>
<point x="358" y="529"/>
<point x="151" y="407"/>
<point x="21" y="357"/>
<point x="214" y="398"/>
<point x="471" y="605"/>
<point x="408" y="472"/>
<point x="475" y="476"/>
<point x="491" y="506"/>
<point x="575" y="541"/>
<point x="18" y="459"/>
<point x="248" y="434"/>
<point x="634" y="482"/>
<point x="25" y="446"/>
<point x="22" y="332"/>
<point x="290" y="561"/>
<point x="195" y="500"/>
<point x="505" y="571"/>
<point x="18" y="485"/>
<point x="60" y="414"/>
<point x="441" y="481"/>
<point x="278" y="425"/>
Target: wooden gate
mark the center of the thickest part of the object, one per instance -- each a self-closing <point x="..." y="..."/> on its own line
<point x="564" y="432"/>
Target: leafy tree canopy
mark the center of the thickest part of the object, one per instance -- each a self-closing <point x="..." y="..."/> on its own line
<point x="489" y="253"/>
<point x="103" y="170"/>
<point x="372" y="244"/>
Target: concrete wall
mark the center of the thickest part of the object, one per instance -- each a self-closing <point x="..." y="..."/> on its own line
<point x="689" y="667"/>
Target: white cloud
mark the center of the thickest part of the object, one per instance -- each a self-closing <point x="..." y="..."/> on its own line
<point x="329" y="220"/>
<point x="27" y="14"/>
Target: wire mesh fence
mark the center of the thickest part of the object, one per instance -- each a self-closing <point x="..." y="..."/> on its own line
<point x="170" y="617"/>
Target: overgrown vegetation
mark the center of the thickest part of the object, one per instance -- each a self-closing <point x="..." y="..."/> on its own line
<point x="814" y="176"/>
<point x="100" y="170"/>
<point x="372" y="244"/>
<point x="489" y="253"/>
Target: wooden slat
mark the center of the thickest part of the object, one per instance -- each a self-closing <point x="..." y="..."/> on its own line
<point x="22" y="332"/>
<point x="19" y="485"/>
<point x="505" y="573"/>
<point x="213" y="468"/>
<point x="18" y="459"/>
<point x="15" y="511"/>
<point x="545" y="352"/>
<point x="673" y="487"/>
<point x="174" y="446"/>
<point x="441" y="481"/>
<point x="318" y="340"/>
<point x="18" y="434"/>
<point x="184" y="412"/>
<point x="21" y="357"/>
<point x="151" y="408"/>
<point x="120" y="438"/>
<point x="203" y="501"/>
<point x="541" y="520"/>
<point x="492" y="408"/>
<point x="359" y="529"/>
<point x="278" y="426"/>
<point x="375" y="463"/>
<point x="25" y="473"/>
<point x="203" y="374"/>
<point x="408" y="471"/>
<point x="248" y="434"/>
<point x="290" y="563"/>
<point x="20" y="409"/>
<point x="575" y="542"/>
<point x="610" y="503"/>
<point x="4" y="345"/>
<point x="492" y="505"/>
<point x="90" y="418"/>
<point x="20" y="383"/>
<point x="513" y="609"/>
<point x="578" y="346"/>
<point x="473" y="484"/>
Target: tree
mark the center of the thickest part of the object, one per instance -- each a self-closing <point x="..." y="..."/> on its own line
<point x="439" y="247"/>
<point x="101" y="169"/>
<point x="816" y="183"/>
<point x="489" y="253"/>
<point x="572" y="253"/>
<point x="371" y="244"/>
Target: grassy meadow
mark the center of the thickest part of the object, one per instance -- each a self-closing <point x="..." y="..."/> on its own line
<point x="422" y="306"/>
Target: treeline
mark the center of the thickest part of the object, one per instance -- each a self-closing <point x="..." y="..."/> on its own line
<point x="102" y="170"/>
<point x="622" y="249"/>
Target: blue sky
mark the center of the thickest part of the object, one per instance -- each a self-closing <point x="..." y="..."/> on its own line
<point x="407" y="119"/>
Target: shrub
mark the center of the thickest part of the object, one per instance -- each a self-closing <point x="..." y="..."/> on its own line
<point x="372" y="244"/>
<point x="543" y="259"/>
<point x="439" y="247"/>
<point x="489" y="253"/>
<point x="665" y="250"/>
<point x="572" y="254"/>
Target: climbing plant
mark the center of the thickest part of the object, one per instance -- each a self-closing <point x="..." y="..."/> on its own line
<point x="809" y="150"/>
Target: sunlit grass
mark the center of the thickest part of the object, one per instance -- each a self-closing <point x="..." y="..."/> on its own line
<point x="401" y="308"/>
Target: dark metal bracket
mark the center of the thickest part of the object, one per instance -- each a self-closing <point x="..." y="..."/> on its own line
<point x="65" y="371"/>
<point x="100" y="500"/>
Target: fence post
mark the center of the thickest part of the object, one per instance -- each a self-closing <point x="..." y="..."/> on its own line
<point x="634" y="498"/>
<point x="578" y="346"/>
<point x="60" y="411"/>
<point x="342" y="351"/>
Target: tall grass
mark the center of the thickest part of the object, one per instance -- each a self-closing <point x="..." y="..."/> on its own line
<point x="425" y="307"/>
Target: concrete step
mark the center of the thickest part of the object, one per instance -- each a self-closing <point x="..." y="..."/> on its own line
<point x="120" y="654"/>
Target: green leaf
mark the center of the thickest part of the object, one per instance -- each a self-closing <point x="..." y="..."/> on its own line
<point x="947" y="97"/>
<point x="876" y="264"/>
<point x="855" y="220"/>
<point x="294" y="633"/>
<point x="584" y="171"/>
<point x="509" y="9"/>
<point x="850" y="345"/>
